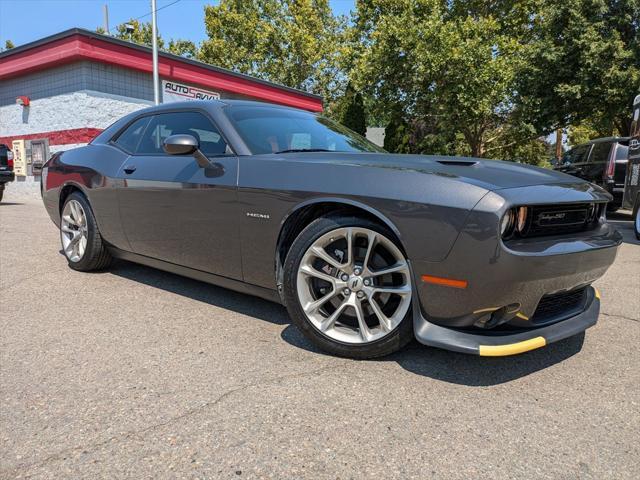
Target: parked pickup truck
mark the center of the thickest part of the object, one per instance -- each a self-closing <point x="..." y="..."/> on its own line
<point x="602" y="161"/>
<point x="6" y="167"/>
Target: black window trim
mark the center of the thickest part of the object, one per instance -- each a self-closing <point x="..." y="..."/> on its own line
<point x="114" y="138"/>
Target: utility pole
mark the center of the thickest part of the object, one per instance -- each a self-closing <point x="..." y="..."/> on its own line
<point x="105" y="10"/>
<point x="154" y="32"/>
<point x="558" y="144"/>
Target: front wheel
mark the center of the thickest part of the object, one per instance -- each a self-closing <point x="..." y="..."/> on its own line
<point x="82" y="243"/>
<point x="348" y="287"/>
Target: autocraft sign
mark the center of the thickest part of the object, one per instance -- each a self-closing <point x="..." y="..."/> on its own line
<point x="178" y="92"/>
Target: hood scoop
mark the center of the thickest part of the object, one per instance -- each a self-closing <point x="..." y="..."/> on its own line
<point x="458" y="163"/>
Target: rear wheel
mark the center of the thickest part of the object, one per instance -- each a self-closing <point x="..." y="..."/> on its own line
<point x="82" y="243"/>
<point x="348" y="287"/>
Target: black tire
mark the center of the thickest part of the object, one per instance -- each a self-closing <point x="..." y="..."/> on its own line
<point x="96" y="255"/>
<point x="1" y="192"/>
<point x="392" y="342"/>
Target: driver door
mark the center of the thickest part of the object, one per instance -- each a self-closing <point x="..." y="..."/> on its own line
<point x="172" y="209"/>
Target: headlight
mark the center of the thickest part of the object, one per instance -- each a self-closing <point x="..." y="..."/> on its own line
<point x="506" y="225"/>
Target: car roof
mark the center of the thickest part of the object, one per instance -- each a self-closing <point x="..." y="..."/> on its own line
<point x="607" y="139"/>
<point x="602" y="140"/>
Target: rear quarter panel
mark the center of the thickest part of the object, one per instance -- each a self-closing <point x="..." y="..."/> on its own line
<point x="93" y="170"/>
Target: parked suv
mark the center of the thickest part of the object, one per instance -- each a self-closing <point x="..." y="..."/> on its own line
<point x="632" y="188"/>
<point x="6" y="167"/>
<point x="602" y="161"/>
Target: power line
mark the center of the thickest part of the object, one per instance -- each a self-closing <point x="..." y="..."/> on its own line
<point x="145" y="15"/>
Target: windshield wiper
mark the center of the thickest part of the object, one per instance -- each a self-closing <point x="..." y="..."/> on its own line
<point x="304" y="150"/>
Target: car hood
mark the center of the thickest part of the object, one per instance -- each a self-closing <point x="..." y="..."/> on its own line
<point x="488" y="174"/>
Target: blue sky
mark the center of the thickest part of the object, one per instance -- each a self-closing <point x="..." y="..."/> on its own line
<point x="23" y="21"/>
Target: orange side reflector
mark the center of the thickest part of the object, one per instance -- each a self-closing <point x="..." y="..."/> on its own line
<point x="446" y="282"/>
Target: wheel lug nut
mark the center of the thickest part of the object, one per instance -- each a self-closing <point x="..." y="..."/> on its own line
<point x="346" y="291"/>
<point x="344" y="277"/>
<point x="367" y="282"/>
<point x="360" y="294"/>
<point x="357" y="271"/>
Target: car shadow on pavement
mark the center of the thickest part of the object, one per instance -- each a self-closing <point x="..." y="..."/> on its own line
<point x="463" y="369"/>
<point x="476" y="371"/>
<point x="434" y="363"/>
<point x="202" y="292"/>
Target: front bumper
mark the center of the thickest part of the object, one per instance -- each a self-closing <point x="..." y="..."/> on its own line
<point x="506" y="282"/>
<point x="508" y="342"/>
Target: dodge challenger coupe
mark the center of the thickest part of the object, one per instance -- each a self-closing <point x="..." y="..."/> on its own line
<point x="365" y="249"/>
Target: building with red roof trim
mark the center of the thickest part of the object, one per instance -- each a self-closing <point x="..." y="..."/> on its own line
<point x="59" y="92"/>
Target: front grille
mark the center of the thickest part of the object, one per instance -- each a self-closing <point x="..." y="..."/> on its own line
<point x="561" y="219"/>
<point x="559" y="306"/>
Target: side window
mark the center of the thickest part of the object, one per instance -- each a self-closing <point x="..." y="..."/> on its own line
<point x="191" y="123"/>
<point x="129" y="139"/>
<point x="600" y="153"/>
<point x="580" y="154"/>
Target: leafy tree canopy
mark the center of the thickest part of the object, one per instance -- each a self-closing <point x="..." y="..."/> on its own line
<point x="583" y="64"/>
<point x="353" y="113"/>
<point x="293" y="42"/>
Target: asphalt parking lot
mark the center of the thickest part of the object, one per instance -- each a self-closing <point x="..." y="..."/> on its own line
<point x="136" y="373"/>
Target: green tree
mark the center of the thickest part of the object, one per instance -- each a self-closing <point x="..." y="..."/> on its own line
<point x="183" y="48"/>
<point x="293" y="42"/>
<point x="8" y="45"/>
<point x="452" y="64"/>
<point x="583" y="64"/>
<point x="353" y="113"/>
<point x="588" y="130"/>
<point x="397" y="134"/>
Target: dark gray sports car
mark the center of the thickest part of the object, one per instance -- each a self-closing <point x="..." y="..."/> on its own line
<point x="365" y="249"/>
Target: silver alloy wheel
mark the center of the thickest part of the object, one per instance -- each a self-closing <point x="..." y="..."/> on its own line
<point x="73" y="231"/>
<point x="354" y="285"/>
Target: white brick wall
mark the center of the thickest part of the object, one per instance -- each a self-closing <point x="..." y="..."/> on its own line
<point x="83" y="109"/>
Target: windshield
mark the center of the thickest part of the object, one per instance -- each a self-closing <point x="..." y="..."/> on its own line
<point x="267" y="129"/>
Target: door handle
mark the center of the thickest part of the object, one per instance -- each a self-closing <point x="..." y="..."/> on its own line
<point x="129" y="169"/>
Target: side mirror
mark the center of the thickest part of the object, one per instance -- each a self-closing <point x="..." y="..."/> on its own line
<point x="185" y="145"/>
<point x="180" y="145"/>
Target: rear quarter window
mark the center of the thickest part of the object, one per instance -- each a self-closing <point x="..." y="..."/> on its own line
<point x="600" y="153"/>
<point x="576" y="155"/>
